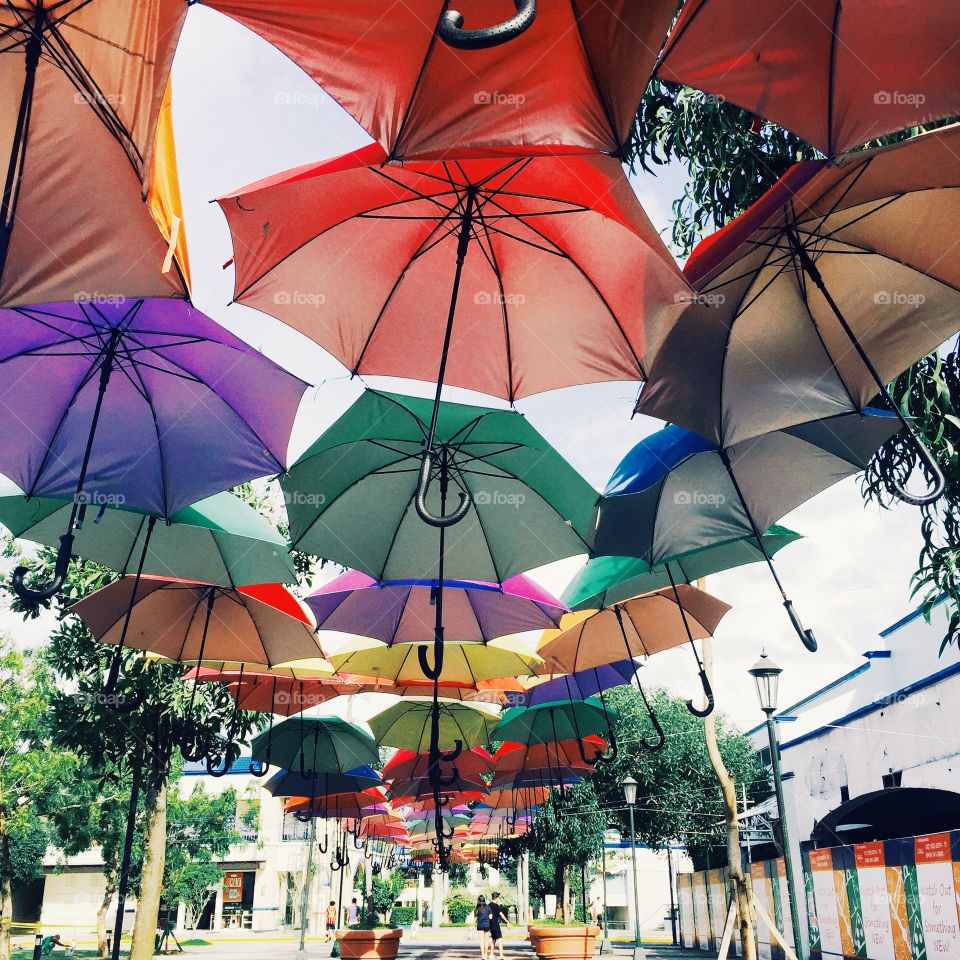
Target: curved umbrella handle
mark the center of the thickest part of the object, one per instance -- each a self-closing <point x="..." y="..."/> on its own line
<point x="190" y="747"/>
<point x="930" y="465"/>
<point x="110" y="698"/>
<point x="230" y="755"/>
<point x="807" y="637"/>
<point x="451" y="32"/>
<point x="362" y="845"/>
<point x="302" y="817"/>
<point x="708" y="694"/>
<point x="257" y="768"/>
<point x="453" y="754"/>
<point x="655" y="745"/>
<point x="325" y="846"/>
<point x="423" y="484"/>
<point x="594" y="760"/>
<point x="434" y="670"/>
<point x="452" y="779"/>
<point x="35" y="596"/>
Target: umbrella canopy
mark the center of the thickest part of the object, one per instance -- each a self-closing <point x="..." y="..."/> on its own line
<point x="676" y="491"/>
<point x="512" y="758"/>
<point x="337" y="806"/>
<point x="421" y="789"/>
<point x="838" y="74"/>
<point x="582" y="684"/>
<point x="554" y="722"/>
<point x="290" y="783"/>
<point x="642" y="626"/>
<point x="407" y="725"/>
<point x="607" y="580"/>
<point x="402" y="611"/>
<point x="351" y="496"/>
<point x="557" y="275"/>
<point x="563" y="776"/>
<point x="316" y="745"/>
<point x="573" y="79"/>
<point x="84" y="81"/>
<point x="219" y="540"/>
<point x="818" y="296"/>
<point x="520" y="799"/>
<point x="197" y="622"/>
<point x="405" y="764"/>
<point x="273" y="693"/>
<point x="464" y="664"/>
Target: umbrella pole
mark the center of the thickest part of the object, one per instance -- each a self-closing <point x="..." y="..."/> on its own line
<point x="704" y="679"/>
<point x="188" y="745"/>
<point x="659" y="742"/>
<point x="926" y="457"/>
<point x="261" y="769"/>
<point x="113" y="676"/>
<point x="807" y="637"/>
<point x="33" y="597"/>
<point x="124" y="881"/>
<point x="429" y="454"/>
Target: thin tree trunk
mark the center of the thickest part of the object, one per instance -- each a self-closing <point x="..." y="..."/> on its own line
<point x="738" y="880"/>
<point x="566" y="895"/>
<point x="558" y="891"/>
<point x="102" y="949"/>
<point x="151" y="882"/>
<point x="6" y="893"/>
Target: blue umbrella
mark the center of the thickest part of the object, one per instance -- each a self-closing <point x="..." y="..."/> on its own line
<point x="582" y="684"/>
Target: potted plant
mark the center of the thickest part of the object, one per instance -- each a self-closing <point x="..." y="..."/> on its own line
<point x="369" y="939"/>
<point x="551" y="941"/>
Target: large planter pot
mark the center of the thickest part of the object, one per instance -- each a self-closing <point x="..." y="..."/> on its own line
<point x="563" y="943"/>
<point x="369" y="944"/>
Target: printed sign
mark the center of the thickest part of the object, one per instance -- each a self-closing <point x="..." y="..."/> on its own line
<point x="938" y="900"/>
<point x="233" y="887"/>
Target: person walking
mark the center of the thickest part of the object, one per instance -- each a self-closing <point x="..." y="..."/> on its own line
<point x="353" y="913"/>
<point x="331" y="921"/>
<point x="482" y="914"/>
<point x="596" y="912"/>
<point x="498" y="916"/>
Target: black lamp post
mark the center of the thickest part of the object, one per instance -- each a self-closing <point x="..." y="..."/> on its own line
<point x="630" y="795"/>
<point x="766" y="675"/>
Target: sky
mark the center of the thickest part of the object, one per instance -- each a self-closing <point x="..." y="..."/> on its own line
<point x="243" y="111"/>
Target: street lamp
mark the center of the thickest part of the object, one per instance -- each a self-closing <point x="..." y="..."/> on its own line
<point x="630" y="795"/>
<point x="766" y="675"/>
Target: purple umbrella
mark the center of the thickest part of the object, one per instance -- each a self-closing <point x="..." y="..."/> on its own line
<point x="582" y="684"/>
<point x="402" y="611"/>
<point x="146" y="404"/>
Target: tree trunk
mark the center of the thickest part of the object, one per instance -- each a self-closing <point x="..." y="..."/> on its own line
<point x="102" y="949"/>
<point x="558" y="891"/>
<point x="738" y="880"/>
<point x="6" y="894"/>
<point x="566" y="895"/>
<point x="151" y="883"/>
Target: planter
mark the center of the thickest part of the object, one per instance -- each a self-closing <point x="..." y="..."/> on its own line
<point x="563" y="943"/>
<point x="369" y="944"/>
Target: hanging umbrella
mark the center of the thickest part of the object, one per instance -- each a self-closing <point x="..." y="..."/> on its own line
<point x="512" y="758"/>
<point x="559" y="777"/>
<point x="676" y="491"/>
<point x="334" y="807"/>
<point x="407" y="725"/>
<point x="464" y="664"/>
<point x="554" y="722"/>
<point x="421" y="789"/>
<point x="423" y="86"/>
<point x="473" y="764"/>
<point x="524" y="798"/>
<point x="486" y="691"/>
<point x="581" y="684"/>
<point x="403" y="611"/>
<point x="290" y="783"/>
<point x="146" y="404"/>
<point x="84" y="82"/>
<point x="316" y="745"/>
<point x="607" y="580"/>
<point x="817" y="297"/>
<point x="458" y="801"/>
<point x="556" y="274"/>
<point x="838" y="74"/>
<point x="219" y="540"/>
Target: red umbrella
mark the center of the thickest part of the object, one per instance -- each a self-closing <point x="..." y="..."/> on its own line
<point x="574" y="78"/>
<point x="513" y="758"/>
<point x="838" y="74"/>
<point x="406" y="765"/>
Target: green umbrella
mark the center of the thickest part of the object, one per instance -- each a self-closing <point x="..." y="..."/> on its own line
<point x="555" y="722"/>
<point x="352" y="497"/>
<point x="219" y="540"/>
<point x="608" y="580"/>
<point x="406" y="725"/>
<point x="315" y="745"/>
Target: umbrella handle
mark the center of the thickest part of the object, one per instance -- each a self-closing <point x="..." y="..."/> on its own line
<point x="230" y="755"/>
<point x="257" y="768"/>
<point x="362" y="845"/>
<point x="708" y="693"/>
<point x="807" y="637"/>
<point x="431" y="671"/>
<point x="33" y="597"/>
<point x="452" y="779"/>
<point x="451" y="32"/>
<point x="653" y="745"/>
<point x="930" y="465"/>
<point x="302" y="817"/>
<point x="323" y="847"/>
<point x="110" y="699"/>
<point x="423" y="484"/>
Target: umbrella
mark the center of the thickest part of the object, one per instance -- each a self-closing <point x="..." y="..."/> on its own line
<point x="422" y="788"/>
<point x="555" y="722"/>
<point x="402" y="611"/>
<point x="582" y="683"/>
<point x="289" y="783"/>
<point x="464" y="664"/>
<point x="316" y="745"/>
<point x="512" y="758"/>
<point x="556" y="274"/>
<point x="523" y="798"/>
<point x="146" y="404"/>
<point x="84" y="82"/>
<point x="838" y="74"/>
<point x="554" y="776"/>
<point x="676" y="491"/>
<point x="333" y="807"/>
<point x="472" y="764"/>
<point x="607" y="580"/>
<point x="407" y="725"/>
<point x="572" y="81"/>
<point x="219" y="540"/>
<point x="818" y="296"/>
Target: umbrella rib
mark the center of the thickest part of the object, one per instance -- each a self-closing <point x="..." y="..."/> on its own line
<point x="164" y="478"/>
<point x="495" y="265"/>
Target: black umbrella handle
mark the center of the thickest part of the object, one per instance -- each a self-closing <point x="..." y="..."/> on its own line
<point x="111" y="699"/>
<point x="230" y="755"/>
<point x="807" y="637"/>
<point x="451" y="32"/>
<point x="708" y="695"/>
<point x="423" y="485"/>
<point x="34" y="597"/>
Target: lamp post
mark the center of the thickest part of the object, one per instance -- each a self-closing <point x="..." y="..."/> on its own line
<point x="630" y="795"/>
<point x="605" y="945"/>
<point x="766" y="675"/>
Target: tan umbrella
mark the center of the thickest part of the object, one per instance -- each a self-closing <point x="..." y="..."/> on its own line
<point x="83" y="83"/>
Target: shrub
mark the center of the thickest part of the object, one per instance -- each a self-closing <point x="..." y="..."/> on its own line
<point x="402" y="916"/>
<point x="459" y="908"/>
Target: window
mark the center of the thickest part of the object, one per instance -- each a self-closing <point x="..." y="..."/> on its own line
<point x="892" y="779"/>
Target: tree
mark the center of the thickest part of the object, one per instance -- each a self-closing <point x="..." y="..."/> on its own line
<point x="731" y="159"/>
<point x="33" y="774"/>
